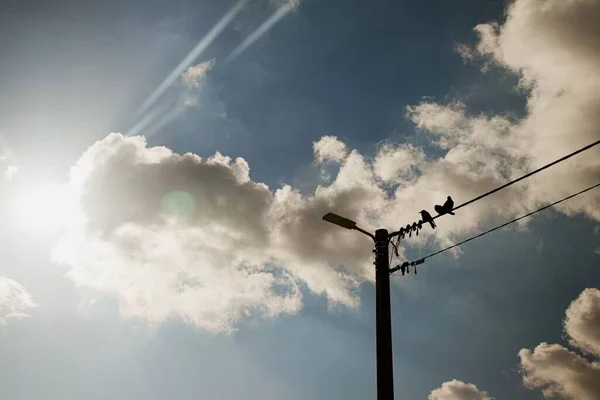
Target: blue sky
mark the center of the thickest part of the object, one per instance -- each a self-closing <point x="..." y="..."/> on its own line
<point x="104" y="319"/>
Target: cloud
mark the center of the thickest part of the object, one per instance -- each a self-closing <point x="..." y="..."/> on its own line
<point x="329" y="149"/>
<point x="457" y="390"/>
<point x="552" y="45"/>
<point x="193" y="80"/>
<point x="563" y="373"/>
<point x="14" y="300"/>
<point x="560" y="372"/>
<point x="582" y="322"/>
<point x="194" y="76"/>
<point x="178" y="235"/>
<point x="398" y="164"/>
<point x="10" y="171"/>
<point x="466" y="53"/>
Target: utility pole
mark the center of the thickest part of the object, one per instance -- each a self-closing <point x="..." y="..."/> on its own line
<point x="385" y="361"/>
<point x="383" y="315"/>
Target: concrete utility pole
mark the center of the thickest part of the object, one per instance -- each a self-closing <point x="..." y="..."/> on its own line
<point x="385" y="362"/>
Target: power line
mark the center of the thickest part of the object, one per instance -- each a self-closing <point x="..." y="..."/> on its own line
<point x="420" y="261"/>
<point x="589" y="146"/>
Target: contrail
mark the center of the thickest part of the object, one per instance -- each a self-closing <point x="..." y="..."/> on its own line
<point x="187" y="61"/>
<point x="264" y="28"/>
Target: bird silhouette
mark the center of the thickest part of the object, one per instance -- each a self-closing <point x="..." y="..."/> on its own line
<point x="426" y="217"/>
<point x="449" y="206"/>
<point x="446" y="208"/>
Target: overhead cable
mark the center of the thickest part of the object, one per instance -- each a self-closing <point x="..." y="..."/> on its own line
<point x="589" y="146"/>
<point x="502" y="226"/>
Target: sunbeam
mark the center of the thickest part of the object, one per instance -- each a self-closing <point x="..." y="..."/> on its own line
<point x="264" y="28"/>
<point x="189" y="59"/>
<point x="146" y="120"/>
<point x="166" y="118"/>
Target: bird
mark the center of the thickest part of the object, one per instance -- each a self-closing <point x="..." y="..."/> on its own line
<point x="426" y="217"/>
<point x="446" y="208"/>
<point x="449" y="206"/>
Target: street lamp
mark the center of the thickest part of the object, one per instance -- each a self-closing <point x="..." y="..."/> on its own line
<point x="345" y="223"/>
<point x="385" y="365"/>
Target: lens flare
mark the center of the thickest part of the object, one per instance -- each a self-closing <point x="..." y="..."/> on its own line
<point x="179" y="204"/>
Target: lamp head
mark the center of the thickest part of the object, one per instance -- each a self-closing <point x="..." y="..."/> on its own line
<point x="339" y="221"/>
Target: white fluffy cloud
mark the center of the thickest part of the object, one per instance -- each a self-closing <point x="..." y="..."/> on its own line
<point x="563" y="373"/>
<point x="398" y="164"/>
<point x="553" y="46"/>
<point x="179" y="236"/>
<point x="457" y="390"/>
<point x="194" y="75"/>
<point x="329" y="149"/>
<point x="560" y="372"/>
<point x="14" y="300"/>
<point x="582" y="322"/>
<point x="193" y="80"/>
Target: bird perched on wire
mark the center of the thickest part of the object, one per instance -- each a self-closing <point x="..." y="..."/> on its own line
<point x="446" y="208"/>
<point x="426" y="217"/>
<point x="449" y="205"/>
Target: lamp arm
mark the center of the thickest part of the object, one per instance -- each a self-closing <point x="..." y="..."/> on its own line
<point x="356" y="228"/>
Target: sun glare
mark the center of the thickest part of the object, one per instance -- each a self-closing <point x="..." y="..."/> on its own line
<point x="42" y="206"/>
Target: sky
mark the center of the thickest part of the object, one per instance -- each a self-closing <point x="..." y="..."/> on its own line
<point x="164" y="167"/>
